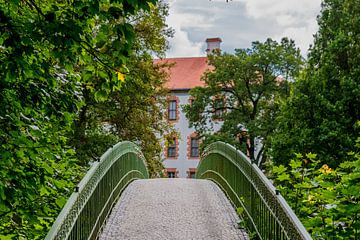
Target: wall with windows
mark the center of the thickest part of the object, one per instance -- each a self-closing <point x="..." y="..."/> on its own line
<point x="185" y="74"/>
<point x="186" y="145"/>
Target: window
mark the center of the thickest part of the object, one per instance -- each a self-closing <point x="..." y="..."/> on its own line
<point x="191" y="173"/>
<point x="193" y="146"/>
<point x="171" y="150"/>
<point x="194" y="151"/>
<point x="172" y="110"/>
<point x="171" y="174"/>
<point x="219" y="107"/>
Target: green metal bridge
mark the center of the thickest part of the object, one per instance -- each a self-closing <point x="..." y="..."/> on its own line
<point x="263" y="209"/>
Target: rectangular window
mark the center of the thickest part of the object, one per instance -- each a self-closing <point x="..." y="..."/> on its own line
<point x="171" y="174"/>
<point x="171" y="151"/>
<point x="194" y="147"/>
<point x="191" y="173"/>
<point x="219" y="107"/>
<point x="172" y="110"/>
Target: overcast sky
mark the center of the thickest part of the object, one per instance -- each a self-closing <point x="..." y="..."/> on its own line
<point x="238" y="23"/>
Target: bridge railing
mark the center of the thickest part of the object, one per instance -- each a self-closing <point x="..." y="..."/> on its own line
<point x="89" y="205"/>
<point x="263" y="209"/>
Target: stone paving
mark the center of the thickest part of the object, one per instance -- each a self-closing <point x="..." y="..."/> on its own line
<point x="173" y="209"/>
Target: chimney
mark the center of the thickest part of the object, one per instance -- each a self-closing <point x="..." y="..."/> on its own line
<point x="213" y="44"/>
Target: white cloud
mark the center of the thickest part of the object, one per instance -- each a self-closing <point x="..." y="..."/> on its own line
<point x="301" y="35"/>
<point x="239" y="22"/>
<point x="274" y="8"/>
<point x="286" y="20"/>
<point x="181" y="45"/>
<point x="297" y="19"/>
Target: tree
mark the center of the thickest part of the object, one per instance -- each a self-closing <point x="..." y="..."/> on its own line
<point x="133" y="112"/>
<point x="324" y="104"/>
<point x="244" y="88"/>
<point x="44" y="49"/>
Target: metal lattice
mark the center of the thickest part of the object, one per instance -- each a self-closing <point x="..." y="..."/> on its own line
<point x="264" y="210"/>
<point x="88" y="207"/>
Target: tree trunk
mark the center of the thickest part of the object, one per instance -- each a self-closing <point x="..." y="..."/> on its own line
<point x="80" y="122"/>
<point x="250" y="147"/>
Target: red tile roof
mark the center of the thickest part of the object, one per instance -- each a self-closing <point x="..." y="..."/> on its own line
<point x="186" y="73"/>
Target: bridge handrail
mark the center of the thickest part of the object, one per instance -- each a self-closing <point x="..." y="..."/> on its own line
<point x="266" y="212"/>
<point x="93" y="198"/>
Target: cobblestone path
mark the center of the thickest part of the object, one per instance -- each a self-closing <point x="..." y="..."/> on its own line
<point x="173" y="209"/>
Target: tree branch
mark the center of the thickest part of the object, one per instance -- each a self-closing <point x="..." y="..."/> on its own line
<point x="94" y="55"/>
<point x="33" y="4"/>
<point x="248" y="90"/>
<point x="237" y="96"/>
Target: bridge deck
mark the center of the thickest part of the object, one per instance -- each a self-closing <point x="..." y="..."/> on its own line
<point x="173" y="209"/>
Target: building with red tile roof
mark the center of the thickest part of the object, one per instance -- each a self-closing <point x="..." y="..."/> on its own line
<point x="181" y="155"/>
<point x="185" y="73"/>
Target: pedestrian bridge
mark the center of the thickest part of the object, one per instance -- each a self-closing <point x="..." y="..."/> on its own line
<point x="116" y="200"/>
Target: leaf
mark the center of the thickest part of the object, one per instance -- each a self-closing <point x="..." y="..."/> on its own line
<point x="46" y="210"/>
<point x="279" y="169"/>
<point x="328" y="195"/>
<point x="20" y="153"/>
<point x="106" y="87"/>
<point x="311" y="156"/>
<point x="60" y="202"/>
<point x="43" y="191"/>
<point x="3" y="207"/>
<point x="294" y="164"/>
<point x="7" y="237"/>
<point x="240" y="210"/>
<point x="283" y="177"/>
<point x="103" y="74"/>
<point x="101" y="95"/>
<point x="47" y="168"/>
<point x="60" y="183"/>
<point x="2" y="193"/>
<point x="38" y="227"/>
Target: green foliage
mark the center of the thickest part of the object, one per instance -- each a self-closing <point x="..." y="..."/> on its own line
<point x="251" y="82"/>
<point x="134" y="111"/>
<point x="48" y="51"/>
<point x="324" y="104"/>
<point x="326" y="200"/>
